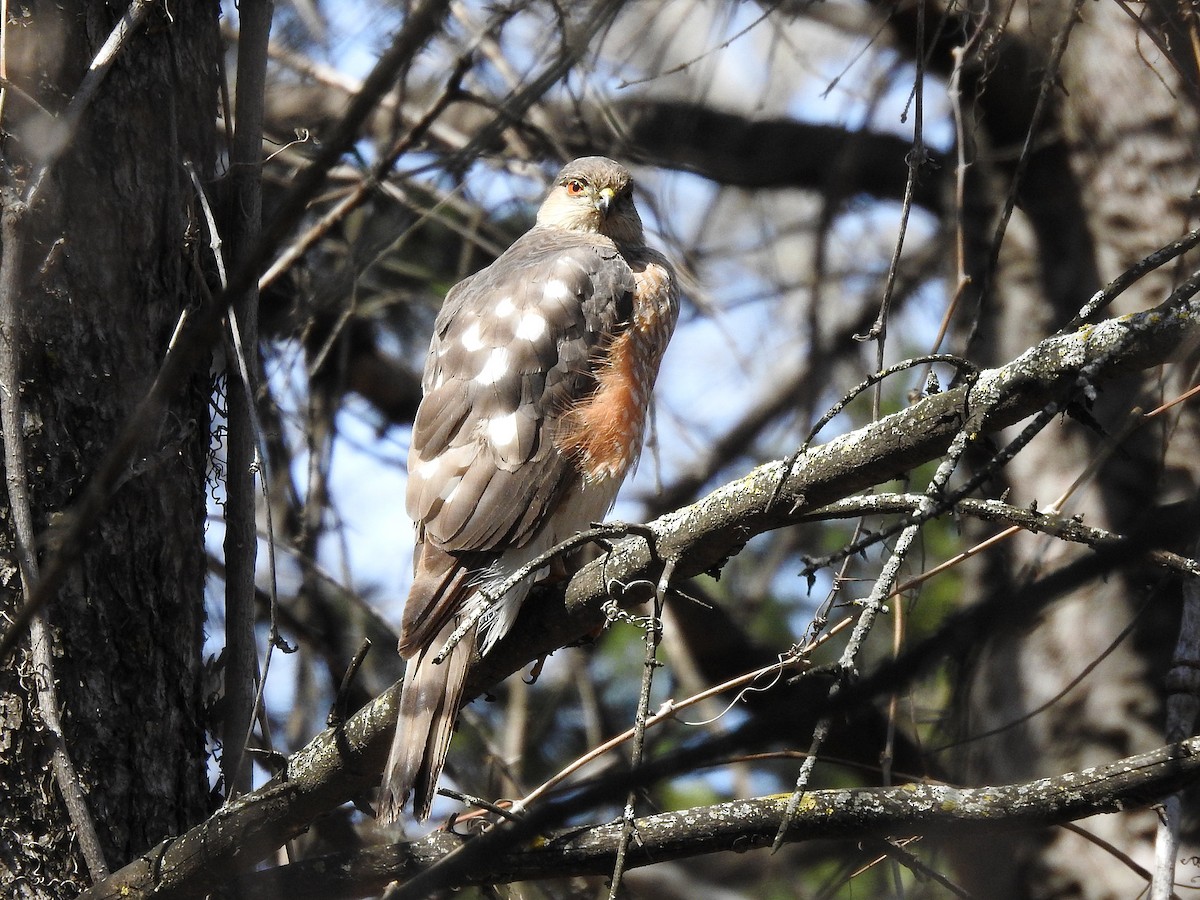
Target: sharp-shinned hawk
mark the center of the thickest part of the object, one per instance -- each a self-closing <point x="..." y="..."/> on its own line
<point x="536" y="389"/>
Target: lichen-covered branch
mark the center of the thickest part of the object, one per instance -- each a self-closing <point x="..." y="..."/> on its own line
<point x="1033" y="520"/>
<point x="854" y="814"/>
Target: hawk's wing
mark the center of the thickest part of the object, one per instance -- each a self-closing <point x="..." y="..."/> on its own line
<point x="513" y="349"/>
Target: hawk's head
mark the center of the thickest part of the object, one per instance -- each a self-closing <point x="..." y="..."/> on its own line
<point x="594" y="194"/>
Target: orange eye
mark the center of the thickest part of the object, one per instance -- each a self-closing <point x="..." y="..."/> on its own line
<point x="574" y="187"/>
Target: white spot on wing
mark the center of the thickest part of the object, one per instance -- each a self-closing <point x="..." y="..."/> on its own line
<point x="425" y="469"/>
<point x="495" y="368"/>
<point x="531" y="326"/>
<point x="505" y="307"/>
<point x="448" y="489"/>
<point x="502" y="430"/>
<point x="471" y="338"/>
<point x="557" y="290"/>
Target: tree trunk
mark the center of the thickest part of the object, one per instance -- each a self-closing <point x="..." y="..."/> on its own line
<point x="1086" y="212"/>
<point x="107" y="268"/>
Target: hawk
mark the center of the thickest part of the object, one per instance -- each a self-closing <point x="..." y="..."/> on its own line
<point x="536" y="388"/>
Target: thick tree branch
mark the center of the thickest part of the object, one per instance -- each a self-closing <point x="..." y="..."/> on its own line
<point x="741" y="825"/>
<point x="732" y="149"/>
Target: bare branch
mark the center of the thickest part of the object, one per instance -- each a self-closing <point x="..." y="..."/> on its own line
<point x="854" y="814"/>
<point x="880" y="591"/>
<point x="1033" y="520"/>
<point x="653" y="634"/>
<point x="244" y="225"/>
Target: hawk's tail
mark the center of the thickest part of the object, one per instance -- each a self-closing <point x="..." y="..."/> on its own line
<point x="428" y="709"/>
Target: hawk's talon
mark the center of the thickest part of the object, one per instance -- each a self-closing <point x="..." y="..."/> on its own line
<point x="536" y="672"/>
<point x="612" y="612"/>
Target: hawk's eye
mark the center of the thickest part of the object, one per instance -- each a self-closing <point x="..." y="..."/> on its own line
<point x="574" y="187"/>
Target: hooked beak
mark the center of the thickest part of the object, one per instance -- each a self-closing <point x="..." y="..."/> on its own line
<point x="604" y="200"/>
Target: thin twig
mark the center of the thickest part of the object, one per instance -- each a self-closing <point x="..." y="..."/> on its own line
<point x="917" y="158"/>
<point x="891" y="849"/>
<point x="1050" y="75"/>
<point x="1102" y="298"/>
<point x="649" y="664"/>
<point x="689" y="63"/>
<point x="1169" y="404"/>
<point x="379" y="171"/>
<point x="1112" y="850"/>
<point x="962" y="365"/>
<point x="210" y="220"/>
<point x="1073" y="683"/>
<point x="472" y="800"/>
<point x="8" y="86"/>
<point x="671" y="709"/>
<point x="1022" y="518"/>
<point x="962" y="146"/>
<point x="880" y="591"/>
